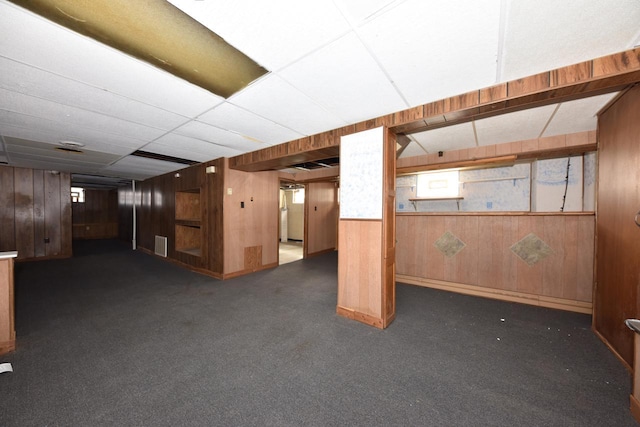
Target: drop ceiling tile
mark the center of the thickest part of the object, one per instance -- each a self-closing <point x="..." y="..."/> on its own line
<point x="58" y="50"/>
<point x="412" y="150"/>
<point x="28" y="80"/>
<point x="54" y="165"/>
<point x="135" y="167"/>
<point x="72" y="116"/>
<point x="201" y="150"/>
<point x="548" y="34"/>
<point x="577" y="116"/>
<point x="238" y="120"/>
<point x="449" y="138"/>
<point x="22" y="152"/>
<point x="435" y="49"/>
<point x="358" y="11"/>
<point x="217" y="136"/>
<point x="346" y="79"/>
<point x="274" y="99"/>
<point x="518" y="126"/>
<point x="37" y="129"/>
<point x="272" y="33"/>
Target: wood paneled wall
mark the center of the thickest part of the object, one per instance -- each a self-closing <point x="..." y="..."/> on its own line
<point x="252" y="229"/>
<point x="322" y="217"/>
<point x="618" y="260"/>
<point x="233" y="240"/>
<point x="97" y="217"/>
<point x="363" y="295"/>
<point x="35" y="212"/>
<point x="156" y="213"/>
<point x="564" y="279"/>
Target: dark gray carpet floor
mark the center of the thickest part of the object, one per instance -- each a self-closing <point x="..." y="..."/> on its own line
<point x="114" y="337"/>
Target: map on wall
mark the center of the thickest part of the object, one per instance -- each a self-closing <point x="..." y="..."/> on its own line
<point x="361" y="175"/>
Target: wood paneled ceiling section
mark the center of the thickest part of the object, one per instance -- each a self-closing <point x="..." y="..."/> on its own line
<point x="595" y="77"/>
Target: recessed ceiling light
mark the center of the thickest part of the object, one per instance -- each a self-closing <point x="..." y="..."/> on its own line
<point x="159" y="33"/>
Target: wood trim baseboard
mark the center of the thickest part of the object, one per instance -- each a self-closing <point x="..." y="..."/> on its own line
<point x="182" y="264"/>
<point x="505" y="213"/>
<point x="612" y="349"/>
<point x="634" y="406"/>
<point x="360" y="317"/>
<point x="322" y="252"/>
<point x="500" y="294"/>
<point x="43" y="258"/>
<point x="249" y="271"/>
<point x="7" y="346"/>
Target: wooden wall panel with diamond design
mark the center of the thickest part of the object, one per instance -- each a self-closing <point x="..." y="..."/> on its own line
<point x="558" y="251"/>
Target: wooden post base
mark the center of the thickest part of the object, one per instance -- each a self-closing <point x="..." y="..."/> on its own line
<point x="634" y="405"/>
<point x="7" y="346"/>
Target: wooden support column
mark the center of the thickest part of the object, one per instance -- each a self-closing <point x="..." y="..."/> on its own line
<point x="366" y="256"/>
<point x="634" y="398"/>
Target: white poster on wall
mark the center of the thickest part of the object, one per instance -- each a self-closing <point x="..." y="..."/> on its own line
<point x="361" y="174"/>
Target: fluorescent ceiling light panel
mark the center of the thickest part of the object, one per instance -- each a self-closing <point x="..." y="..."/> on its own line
<point x="45" y="43"/>
<point x="157" y="32"/>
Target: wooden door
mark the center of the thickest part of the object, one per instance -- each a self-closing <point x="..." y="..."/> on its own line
<point x="320" y="221"/>
<point x="618" y="237"/>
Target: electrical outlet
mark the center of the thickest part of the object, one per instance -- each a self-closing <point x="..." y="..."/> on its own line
<point x="229" y="191"/>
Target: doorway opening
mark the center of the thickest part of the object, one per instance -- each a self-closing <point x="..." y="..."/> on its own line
<point x="292" y="217"/>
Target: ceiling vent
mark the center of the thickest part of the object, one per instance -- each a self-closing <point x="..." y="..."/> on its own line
<point x="70" y="147"/>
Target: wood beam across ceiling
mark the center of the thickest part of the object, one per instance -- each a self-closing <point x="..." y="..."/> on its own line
<point x="590" y="78"/>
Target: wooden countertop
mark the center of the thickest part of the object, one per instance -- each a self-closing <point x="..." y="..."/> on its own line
<point x="10" y="254"/>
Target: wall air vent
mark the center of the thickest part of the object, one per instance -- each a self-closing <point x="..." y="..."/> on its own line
<point x="161" y="246"/>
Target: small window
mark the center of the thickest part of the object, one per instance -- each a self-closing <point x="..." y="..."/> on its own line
<point x="298" y="196"/>
<point x="77" y="195"/>
<point x="438" y="185"/>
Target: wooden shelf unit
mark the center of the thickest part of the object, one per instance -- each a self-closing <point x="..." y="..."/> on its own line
<point x="188" y="231"/>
